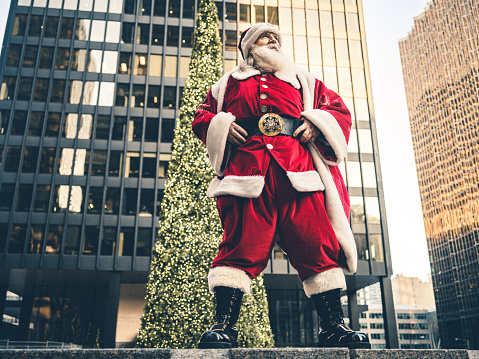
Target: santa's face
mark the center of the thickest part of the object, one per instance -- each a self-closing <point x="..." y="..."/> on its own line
<point x="269" y="40"/>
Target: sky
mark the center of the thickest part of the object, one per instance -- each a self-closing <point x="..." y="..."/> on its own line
<point x="386" y="21"/>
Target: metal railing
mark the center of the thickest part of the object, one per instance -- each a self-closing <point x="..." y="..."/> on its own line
<point x="10" y="344"/>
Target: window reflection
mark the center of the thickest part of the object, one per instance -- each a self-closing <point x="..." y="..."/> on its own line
<point x="17" y="238"/>
<point x="78" y="60"/>
<point x="82" y="161"/>
<point x="101" y="5"/>
<point x="72" y="240"/>
<point x="116" y="162"/>
<point x="30" y="56"/>
<point x="35" y="126"/>
<point x="42" y="196"/>
<point x="330" y="77"/>
<point x="63" y="57"/>
<point x="54" y="239"/>
<point x="4" y="115"/>
<point x="98" y="166"/>
<point x="174" y="9"/>
<point x="113" y="32"/>
<point x="143" y="245"/>
<point x="362" y="246"/>
<point x="95" y="199"/>
<point x="369" y="174"/>
<point x="24" y="198"/>
<point x="353" y="142"/>
<point x="130" y="197"/>
<point x="245" y="13"/>
<point x="46" y="58"/>
<point x="142" y="34"/>
<point x="53" y="124"/>
<point x="362" y="110"/>
<point x="135" y="128"/>
<point x="339" y="21"/>
<point x="138" y="96"/>
<point x="65" y="164"/>
<point x="155" y="65"/>
<point x="353" y="22"/>
<point x="365" y="140"/>
<point x="97" y="30"/>
<point x="25" y="89"/>
<point x="94" y="61"/>
<point x="119" y="128"/>
<point x="19" y="122"/>
<point x="36" y="237"/>
<point x="116" y="6"/>
<point x="358" y="79"/>
<point x="357" y="209"/>
<point x="127" y="33"/>
<point x="126" y="242"/>
<point x="372" y="209"/>
<point x="355" y="48"/>
<point x="125" y="63"/>
<point x="90" y="240"/>
<point x="112" y="200"/>
<point x="326" y="20"/>
<point x="19" y="25"/>
<point x="85" y="5"/>
<point x="41" y="89"/>
<point x="169" y="97"/>
<point x="83" y="29"/>
<point x="30" y="160"/>
<point x="154" y="93"/>
<point x="273" y="15"/>
<point x="107" y="93"/>
<point x="36" y="26"/>
<point x="300" y="48"/>
<point x="74" y="92"/>
<point x="140" y="65"/>
<point x="108" y="242"/>
<point x="55" y="4"/>
<point x="13" y="159"/>
<point x="90" y="93"/>
<point x="66" y="29"/>
<point x="171" y="63"/>
<point x="230" y="12"/>
<point x="132" y="166"/>
<point x="102" y="131"/>
<point x="145" y="7"/>
<point x="376" y="242"/>
<point x="8" y="88"/>
<point x="354" y="174"/>
<point x="51" y="26"/>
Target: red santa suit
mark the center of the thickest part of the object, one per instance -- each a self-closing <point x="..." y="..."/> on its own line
<point x="271" y="184"/>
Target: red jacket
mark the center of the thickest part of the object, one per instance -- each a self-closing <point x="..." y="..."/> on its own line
<point x="244" y="93"/>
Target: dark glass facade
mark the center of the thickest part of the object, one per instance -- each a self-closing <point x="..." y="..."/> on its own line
<point x="441" y="73"/>
<point x="90" y="90"/>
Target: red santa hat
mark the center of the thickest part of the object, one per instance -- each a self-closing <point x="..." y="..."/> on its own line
<point x="249" y="36"/>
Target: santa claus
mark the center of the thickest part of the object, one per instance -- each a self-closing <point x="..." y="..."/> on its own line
<point x="275" y="136"/>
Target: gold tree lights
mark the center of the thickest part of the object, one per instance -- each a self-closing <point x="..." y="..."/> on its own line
<point x="178" y="305"/>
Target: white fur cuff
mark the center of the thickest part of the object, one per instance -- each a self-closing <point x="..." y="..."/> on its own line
<point x="330" y="128"/>
<point x="324" y="281"/>
<point x="241" y="186"/>
<point x="308" y="181"/>
<point x="216" y="140"/>
<point x="229" y="277"/>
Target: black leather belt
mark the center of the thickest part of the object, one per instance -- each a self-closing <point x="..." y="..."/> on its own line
<point x="270" y="124"/>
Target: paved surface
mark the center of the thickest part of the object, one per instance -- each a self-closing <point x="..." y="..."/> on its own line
<point x="242" y="353"/>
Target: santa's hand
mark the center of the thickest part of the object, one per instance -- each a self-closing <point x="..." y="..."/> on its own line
<point x="309" y="131"/>
<point x="236" y="133"/>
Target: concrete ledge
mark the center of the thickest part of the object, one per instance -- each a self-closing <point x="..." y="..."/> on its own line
<point x="242" y="353"/>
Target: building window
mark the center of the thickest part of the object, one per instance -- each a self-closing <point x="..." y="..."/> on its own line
<point x="113" y="32"/>
<point x="78" y="60"/>
<point x="109" y="62"/>
<point x="159" y="8"/>
<point x="41" y="90"/>
<point x="147" y="202"/>
<point x="378" y="336"/>
<point x="19" y="25"/>
<point x="95" y="199"/>
<point x="19" y="123"/>
<point x="36" y="239"/>
<point x="167" y="130"/>
<point x="6" y="196"/>
<point x="169" y="97"/>
<point x="126" y="243"/>
<point x="51" y="27"/>
<point x="142" y="34"/>
<point x="154" y="93"/>
<point x="74" y="92"/>
<point x="140" y="65"/>
<point x="94" y="61"/>
<point x="230" y="41"/>
<point x="48" y="160"/>
<point x="30" y="56"/>
<point x="36" y="25"/>
<point x="245" y="13"/>
<point x="112" y="200"/>
<point x="102" y="131"/>
<point x="116" y="162"/>
<point x="135" y="128"/>
<point x="127" y="33"/>
<point x="4" y="115"/>
<point x="30" y="160"/>
<point x="72" y="240"/>
<point x="17" y="238"/>
<point x="132" y="167"/>
<point x="66" y="30"/>
<point x="53" y="125"/>
<point x="54" y="239"/>
<point x="219" y="6"/>
<point x="90" y="240"/>
<point x="173" y="35"/>
<point x="25" y="89"/>
<point x="35" y="126"/>
<point x="125" y="63"/>
<point x="8" y="88"/>
<point x="83" y="29"/>
<point x="157" y="35"/>
<point x="187" y="36"/>
<point x="122" y="94"/>
<point x="230" y="12"/>
<point x="119" y="128"/>
<point x="159" y="198"/>
<point x="41" y="198"/>
<point x="58" y="91"/>
<point x="46" y="58"/>
<point x="149" y="165"/>
<point x="101" y="5"/>
<point x="376" y="315"/>
<point x="130" y="198"/>
<point x="151" y="130"/>
<point x="24" y="198"/>
<point x="130" y="7"/>
<point x="138" y="96"/>
<point x="174" y="9"/>
<point x="143" y="245"/>
<point x="98" y="30"/>
<point x="107" y="93"/>
<point x="98" y="163"/>
<point x="259" y="13"/>
<point x="108" y="243"/>
<point x="145" y="7"/>
<point x="13" y="159"/>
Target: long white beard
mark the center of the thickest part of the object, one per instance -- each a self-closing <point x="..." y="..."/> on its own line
<point x="268" y="59"/>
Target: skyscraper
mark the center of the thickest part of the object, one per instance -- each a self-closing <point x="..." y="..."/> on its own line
<point x="440" y="65"/>
<point x="89" y="95"/>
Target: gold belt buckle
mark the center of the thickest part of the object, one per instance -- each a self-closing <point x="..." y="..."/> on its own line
<point x="270" y="124"/>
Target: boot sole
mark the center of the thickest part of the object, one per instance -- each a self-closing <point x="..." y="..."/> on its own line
<point x="349" y="346"/>
<point x="217" y="345"/>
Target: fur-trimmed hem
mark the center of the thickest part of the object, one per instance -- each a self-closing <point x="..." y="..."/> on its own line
<point x="229" y="277"/>
<point x="241" y="186"/>
<point x="328" y="125"/>
<point x="308" y="181"/>
<point x="324" y="281"/>
<point x="216" y="140"/>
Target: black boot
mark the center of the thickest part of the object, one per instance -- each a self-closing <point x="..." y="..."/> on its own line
<point x="334" y="333"/>
<point x="223" y="334"/>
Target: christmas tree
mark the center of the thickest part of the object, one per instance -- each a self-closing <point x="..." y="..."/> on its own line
<point x="178" y="304"/>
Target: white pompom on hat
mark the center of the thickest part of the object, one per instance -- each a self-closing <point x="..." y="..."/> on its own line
<point x="249" y="36"/>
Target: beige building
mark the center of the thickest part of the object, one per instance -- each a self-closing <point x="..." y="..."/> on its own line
<point x="412" y="291"/>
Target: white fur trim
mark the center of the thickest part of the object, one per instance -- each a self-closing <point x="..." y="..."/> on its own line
<point x="241" y="186"/>
<point x="219" y="88"/>
<point x="308" y="181"/>
<point x="331" y="130"/>
<point x="335" y="211"/>
<point x="244" y="72"/>
<point x="324" y="281"/>
<point x="308" y="83"/>
<point x="254" y="33"/>
<point x="216" y="140"/>
<point x="229" y="277"/>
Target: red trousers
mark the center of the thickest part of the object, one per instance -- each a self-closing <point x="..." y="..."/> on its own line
<point x="300" y="218"/>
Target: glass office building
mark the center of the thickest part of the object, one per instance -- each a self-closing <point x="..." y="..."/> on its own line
<point x="90" y="91"/>
<point x="440" y="59"/>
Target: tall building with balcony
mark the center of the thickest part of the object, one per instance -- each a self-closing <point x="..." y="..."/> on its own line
<point x="89" y="94"/>
<point x="440" y="60"/>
